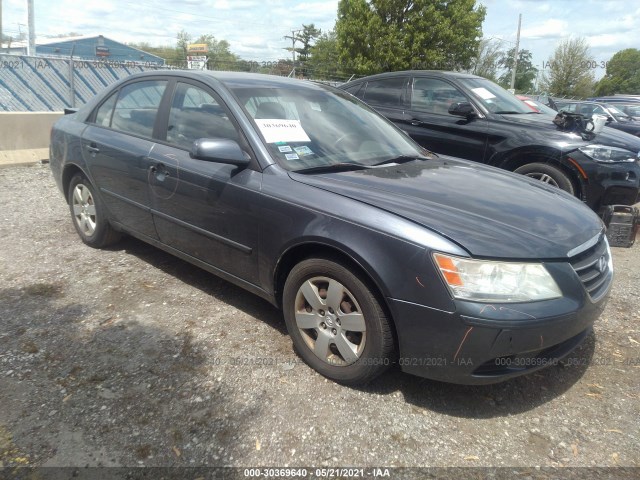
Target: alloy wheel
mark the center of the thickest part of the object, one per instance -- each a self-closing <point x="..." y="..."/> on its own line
<point x="330" y="321"/>
<point x="84" y="209"/>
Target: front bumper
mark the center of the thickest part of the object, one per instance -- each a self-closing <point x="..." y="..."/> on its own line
<point x="607" y="183"/>
<point x="481" y="343"/>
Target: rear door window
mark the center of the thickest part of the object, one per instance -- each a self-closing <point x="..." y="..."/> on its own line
<point x="137" y="107"/>
<point x="388" y="92"/>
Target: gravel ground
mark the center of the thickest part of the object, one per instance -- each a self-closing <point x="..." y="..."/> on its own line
<point x="131" y="357"/>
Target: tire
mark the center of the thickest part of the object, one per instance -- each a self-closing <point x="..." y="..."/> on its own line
<point x="88" y="215"/>
<point x="548" y="174"/>
<point x="336" y="323"/>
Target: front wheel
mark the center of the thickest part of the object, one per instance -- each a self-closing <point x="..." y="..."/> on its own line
<point x="548" y="174"/>
<point x="88" y="215"/>
<point x="336" y="323"/>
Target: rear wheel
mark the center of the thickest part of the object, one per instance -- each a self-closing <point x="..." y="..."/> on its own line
<point x="88" y="214"/>
<point x="336" y="323"/>
<point x="548" y="174"/>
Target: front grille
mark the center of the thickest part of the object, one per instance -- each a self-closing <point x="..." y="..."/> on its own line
<point x="592" y="266"/>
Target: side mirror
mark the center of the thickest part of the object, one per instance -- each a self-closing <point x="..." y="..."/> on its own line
<point x="609" y="119"/>
<point x="462" y="109"/>
<point x="220" y="150"/>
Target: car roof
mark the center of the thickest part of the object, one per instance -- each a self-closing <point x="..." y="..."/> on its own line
<point x="579" y="101"/>
<point x="628" y="99"/>
<point x="230" y="79"/>
<point x="435" y="73"/>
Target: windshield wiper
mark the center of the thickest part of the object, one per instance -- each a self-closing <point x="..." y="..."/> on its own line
<point x="400" y="159"/>
<point x="334" y="167"/>
<point x="506" y="112"/>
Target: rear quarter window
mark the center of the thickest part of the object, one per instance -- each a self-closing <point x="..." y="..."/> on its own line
<point x="355" y="90"/>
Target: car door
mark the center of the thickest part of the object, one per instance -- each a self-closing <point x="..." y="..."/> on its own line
<point x="116" y="144"/>
<point x="429" y="122"/>
<point x="207" y="210"/>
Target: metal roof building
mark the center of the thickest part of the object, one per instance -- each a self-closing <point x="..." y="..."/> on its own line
<point x="86" y="47"/>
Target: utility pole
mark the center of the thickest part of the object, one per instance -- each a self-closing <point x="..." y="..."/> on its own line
<point x="32" y="29"/>
<point x="515" y="56"/>
<point x="294" y="38"/>
<point x="72" y="79"/>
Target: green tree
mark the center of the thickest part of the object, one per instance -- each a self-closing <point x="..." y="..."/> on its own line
<point x="324" y="61"/>
<point x="623" y="74"/>
<point x="570" y="73"/>
<point x="169" y="53"/>
<point x="385" y="35"/>
<point x="219" y="53"/>
<point x="306" y="37"/>
<point x="525" y="71"/>
<point x="486" y="62"/>
<point x="183" y="41"/>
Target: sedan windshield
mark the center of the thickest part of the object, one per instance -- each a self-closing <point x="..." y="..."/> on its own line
<point x="493" y="97"/>
<point x="313" y="128"/>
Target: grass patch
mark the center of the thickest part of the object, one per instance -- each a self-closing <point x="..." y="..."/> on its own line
<point x="46" y="290"/>
<point x="30" y="347"/>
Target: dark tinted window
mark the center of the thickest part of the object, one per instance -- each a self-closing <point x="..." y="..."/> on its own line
<point x="353" y="89"/>
<point x="195" y="114"/>
<point x="103" y="115"/>
<point x="592" y="109"/>
<point x="137" y="107"/>
<point x="568" y="107"/>
<point x="434" y="96"/>
<point x="387" y="92"/>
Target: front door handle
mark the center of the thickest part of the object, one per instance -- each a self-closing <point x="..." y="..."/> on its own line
<point x="160" y="171"/>
<point x="415" y="122"/>
<point x="93" y="148"/>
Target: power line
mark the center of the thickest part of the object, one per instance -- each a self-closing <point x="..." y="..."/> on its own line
<point x="294" y="38"/>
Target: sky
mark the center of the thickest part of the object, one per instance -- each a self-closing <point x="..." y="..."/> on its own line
<point x="256" y="29"/>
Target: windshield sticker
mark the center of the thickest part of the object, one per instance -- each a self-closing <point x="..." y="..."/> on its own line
<point x="284" y="149"/>
<point x="276" y="130"/>
<point x="483" y="93"/>
<point x="304" y="150"/>
<point x="291" y="156"/>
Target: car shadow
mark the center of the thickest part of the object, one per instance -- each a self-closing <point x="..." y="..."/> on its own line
<point x="511" y="397"/>
<point x="206" y="282"/>
<point x="112" y="393"/>
<point x="470" y="401"/>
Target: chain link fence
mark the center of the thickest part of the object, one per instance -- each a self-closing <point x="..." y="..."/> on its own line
<point x="51" y="84"/>
<point x="41" y="84"/>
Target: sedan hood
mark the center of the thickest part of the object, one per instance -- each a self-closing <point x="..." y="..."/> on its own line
<point x="489" y="212"/>
<point x="608" y="136"/>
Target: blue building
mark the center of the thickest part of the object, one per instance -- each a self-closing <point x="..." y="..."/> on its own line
<point x="94" y="47"/>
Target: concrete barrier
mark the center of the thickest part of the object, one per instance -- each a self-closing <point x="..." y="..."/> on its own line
<point x="26" y="130"/>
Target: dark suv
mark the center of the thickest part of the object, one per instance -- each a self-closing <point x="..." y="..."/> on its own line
<point x="471" y="117"/>
<point x="616" y="118"/>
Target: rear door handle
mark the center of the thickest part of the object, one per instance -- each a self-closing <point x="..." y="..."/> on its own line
<point x="415" y="122"/>
<point x="93" y="148"/>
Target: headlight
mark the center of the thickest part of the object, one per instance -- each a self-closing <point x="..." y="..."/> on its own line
<point x="488" y="281"/>
<point x="602" y="153"/>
